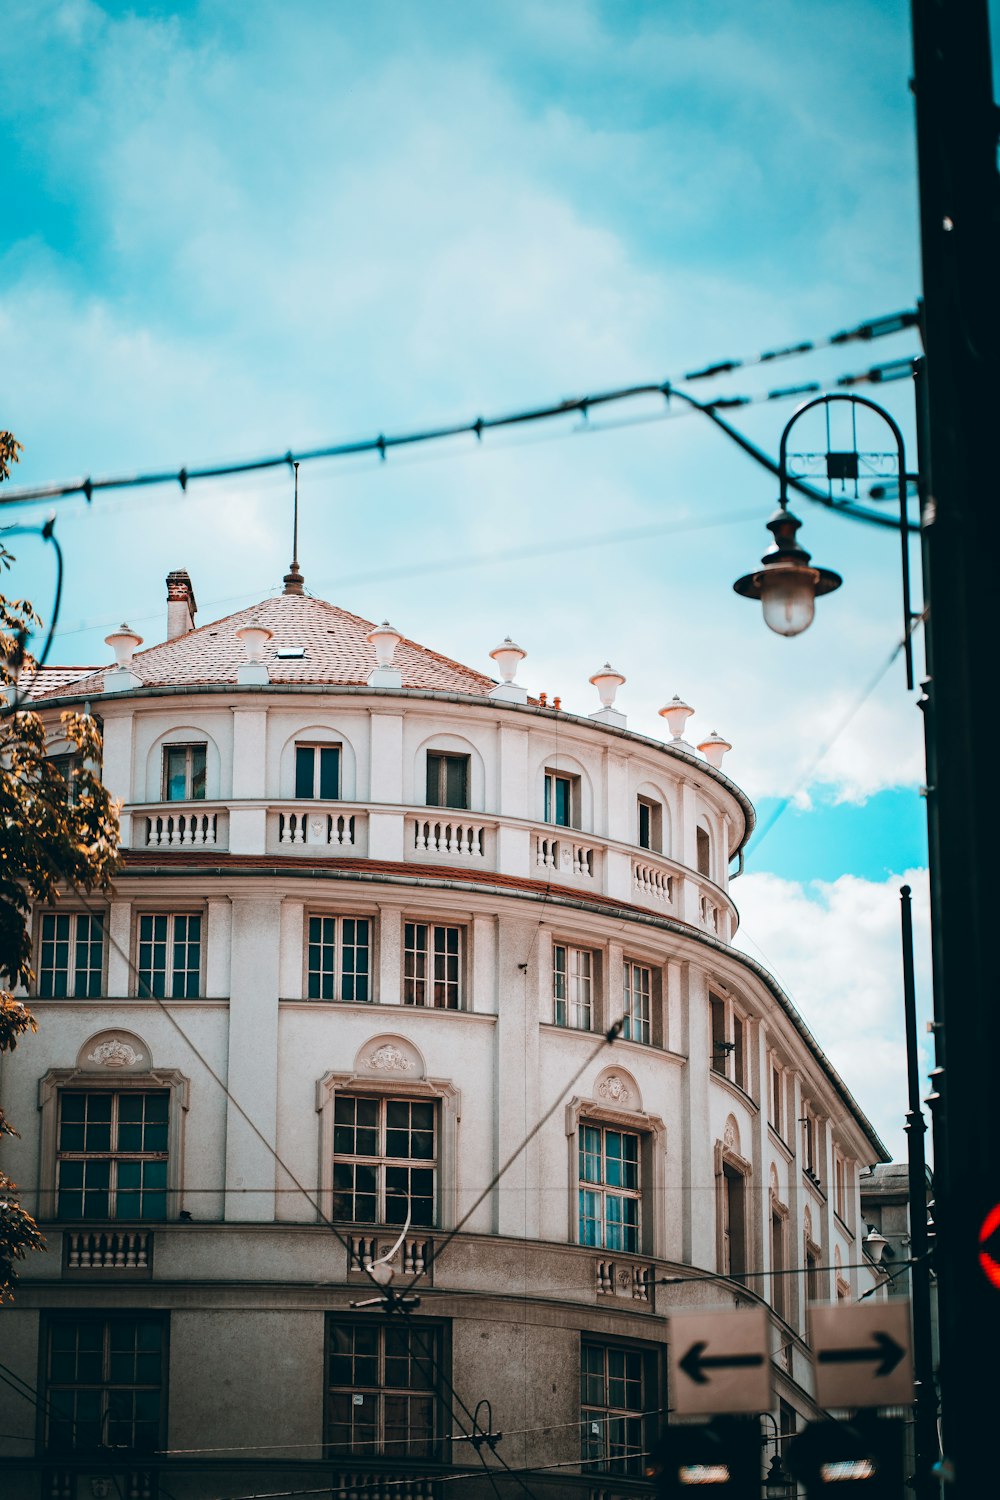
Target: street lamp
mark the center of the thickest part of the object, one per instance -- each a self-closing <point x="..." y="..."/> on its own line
<point x="787" y="583"/>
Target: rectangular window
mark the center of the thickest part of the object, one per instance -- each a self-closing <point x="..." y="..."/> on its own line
<point x="170" y="955"/>
<point x="112" y="1155"/>
<point x="67" y="766"/>
<point x="840" y="1185"/>
<point x="432" y="965"/>
<point x="778" y="1263"/>
<point x="638" y="982"/>
<point x="703" y="845"/>
<point x="734" y="1221"/>
<point x="814" y="1288"/>
<point x="739" y="1051"/>
<point x="650" y="816"/>
<point x="609" y="1188"/>
<point x="777" y="1110"/>
<point x="809" y="1145"/>
<point x="721" y="1048"/>
<point x="104" y="1383"/>
<point x="616" y="1392"/>
<point x="339" y="958"/>
<point x="381" y="1389"/>
<point x="184" y="773"/>
<point x="384" y="1160"/>
<point x="559" y="799"/>
<point x="317" y="772"/>
<point x="572" y="986"/>
<point x="70" y="956"/>
<point x="447" y="780"/>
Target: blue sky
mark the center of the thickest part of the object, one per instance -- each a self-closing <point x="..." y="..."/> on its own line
<point x="232" y="229"/>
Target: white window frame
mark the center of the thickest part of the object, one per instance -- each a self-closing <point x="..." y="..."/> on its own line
<point x="444" y="756"/>
<point x="654" y="814"/>
<point x="73" y="945"/>
<point x="170" y="972"/>
<point x="550" y="798"/>
<point x="116" y="1155"/>
<point x="435" y="956"/>
<point x="578" y="998"/>
<point x="637" y="1004"/>
<point x="652" y="1133"/>
<point x="188" y="747"/>
<point x="336" y="972"/>
<point x="316" y="747"/>
<point x="729" y="1054"/>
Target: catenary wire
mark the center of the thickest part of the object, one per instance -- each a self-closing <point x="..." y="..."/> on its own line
<point x="47" y="533"/>
<point x="382" y="444"/>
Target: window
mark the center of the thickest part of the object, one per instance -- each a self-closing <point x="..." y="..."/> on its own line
<point x="734" y="1221"/>
<point x="338" y="958"/>
<point x="184" y="773"/>
<point x="777" y="1097"/>
<point x="809" y="1146"/>
<point x="561" y="799"/>
<point x="840" y="1184"/>
<point x="317" y="772"/>
<point x="704" y="851"/>
<point x="381" y="1396"/>
<point x="729" y="1040"/>
<point x="778" y="1258"/>
<point x="721" y="1048"/>
<point x="572" y="986"/>
<point x="384" y="1160"/>
<point x="70" y="956"/>
<point x="104" y="1383"/>
<point x="814" y="1286"/>
<point x="650" y="817"/>
<point x="609" y="1188"/>
<point x="68" y="767"/>
<point x="638" y="982"/>
<point x="616" y="1390"/>
<point x="447" y="780"/>
<point x="112" y="1154"/>
<point x="170" y="955"/>
<point x="432" y="965"/>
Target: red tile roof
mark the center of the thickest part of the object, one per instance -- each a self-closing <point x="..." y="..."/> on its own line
<point x="335" y="652"/>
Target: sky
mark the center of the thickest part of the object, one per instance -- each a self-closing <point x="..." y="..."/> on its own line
<point x="236" y="230"/>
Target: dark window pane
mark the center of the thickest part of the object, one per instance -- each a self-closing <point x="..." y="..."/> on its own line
<point x="304" y="770"/>
<point x="329" y="772"/>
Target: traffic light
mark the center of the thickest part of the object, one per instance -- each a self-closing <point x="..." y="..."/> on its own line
<point x="721" y="1457"/>
<point x="862" y="1457"/>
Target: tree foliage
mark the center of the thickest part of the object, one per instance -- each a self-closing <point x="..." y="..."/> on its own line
<point x="59" y="831"/>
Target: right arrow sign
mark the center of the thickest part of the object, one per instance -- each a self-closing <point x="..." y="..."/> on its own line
<point x="862" y="1354"/>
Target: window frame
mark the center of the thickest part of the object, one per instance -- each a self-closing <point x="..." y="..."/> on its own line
<point x="382" y="1162"/>
<point x="189" y="747"/>
<point x="433" y="1351"/>
<point x="552" y="777"/>
<point x="731" y="1043"/>
<point x="609" y="1192"/>
<point x="95" y="1077"/>
<point x="446" y="759"/>
<point x="105" y="1319"/>
<point x="116" y="1155"/>
<point x="452" y="982"/>
<point x="368" y="1079"/>
<point x="703" y="851"/>
<point x="731" y="1165"/>
<point x="337" y="974"/>
<point x="652" y="1133"/>
<point x="316" y="748"/>
<point x="145" y="990"/>
<point x="653" y="811"/>
<point x="630" y="1463"/>
<point x="777" y="1109"/>
<point x="571" y="980"/>
<point x="640" y="1021"/>
<point x="73" y="945"/>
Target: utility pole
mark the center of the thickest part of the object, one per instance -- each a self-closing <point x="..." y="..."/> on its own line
<point x="960" y="242"/>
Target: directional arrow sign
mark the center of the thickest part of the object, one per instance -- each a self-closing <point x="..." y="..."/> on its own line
<point x="862" y="1354"/>
<point x="719" y="1362"/>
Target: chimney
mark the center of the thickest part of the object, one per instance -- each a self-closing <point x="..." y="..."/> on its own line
<point x="181" y="606"/>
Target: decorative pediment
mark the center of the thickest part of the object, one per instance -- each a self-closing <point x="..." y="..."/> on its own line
<point x="388" y="1055"/>
<point x="114" y="1052"/>
<point x="617" y="1088"/>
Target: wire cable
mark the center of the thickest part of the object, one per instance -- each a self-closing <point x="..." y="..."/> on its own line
<point x="47" y="533"/>
<point x="382" y="445"/>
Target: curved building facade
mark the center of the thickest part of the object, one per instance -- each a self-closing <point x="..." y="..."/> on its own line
<point x="410" y="1066"/>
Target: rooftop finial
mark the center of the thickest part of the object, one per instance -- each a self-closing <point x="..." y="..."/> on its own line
<point x="293" y="578"/>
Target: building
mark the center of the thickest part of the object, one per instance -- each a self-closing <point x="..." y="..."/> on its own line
<point x="350" y="1000"/>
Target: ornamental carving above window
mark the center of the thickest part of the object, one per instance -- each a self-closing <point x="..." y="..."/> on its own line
<point x="114" y="1053"/>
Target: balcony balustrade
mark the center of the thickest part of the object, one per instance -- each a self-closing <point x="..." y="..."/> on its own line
<point x="509" y="846"/>
<point x="108" y="1250"/>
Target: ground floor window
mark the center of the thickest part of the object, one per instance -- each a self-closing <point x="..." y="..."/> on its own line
<point x="104" y="1383"/>
<point x="382" y="1383"/>
<point x="615" y="1399"/>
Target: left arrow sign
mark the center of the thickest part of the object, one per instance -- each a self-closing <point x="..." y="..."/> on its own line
<point x="695" y="1362"/>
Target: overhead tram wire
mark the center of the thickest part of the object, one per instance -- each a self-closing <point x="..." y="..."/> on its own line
<point x="48" y="534"/>
<point x="382" y="444"/>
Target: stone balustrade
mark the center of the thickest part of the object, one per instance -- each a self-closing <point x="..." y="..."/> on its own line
<point x="107" y="1249"/>
<point x="513" y="847"/>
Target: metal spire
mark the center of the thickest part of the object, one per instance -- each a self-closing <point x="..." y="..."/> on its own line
<point x="293" y="578"/>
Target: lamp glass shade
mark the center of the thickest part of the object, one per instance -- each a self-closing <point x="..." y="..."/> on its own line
<point x="788" y="595"/>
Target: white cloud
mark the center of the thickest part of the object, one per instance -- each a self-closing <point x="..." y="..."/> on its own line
<point x="835" y="948"/>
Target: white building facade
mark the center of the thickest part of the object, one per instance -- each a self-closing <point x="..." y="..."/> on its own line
<point x="353" y="990"/>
